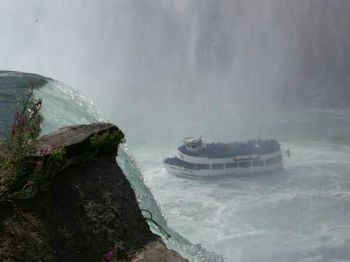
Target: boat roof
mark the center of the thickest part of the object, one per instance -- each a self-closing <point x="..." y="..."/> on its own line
<point x="191" y="139"/>
<point x="235" y="149"/>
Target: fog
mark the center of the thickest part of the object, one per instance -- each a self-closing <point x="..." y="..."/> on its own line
<point x="224" y="69"/>
<point x="176" y="67"/>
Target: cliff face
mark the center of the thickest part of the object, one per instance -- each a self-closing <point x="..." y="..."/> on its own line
<point x="86" y="212"/>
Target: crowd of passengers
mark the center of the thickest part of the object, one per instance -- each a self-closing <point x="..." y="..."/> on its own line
<point x="222" y="150"/>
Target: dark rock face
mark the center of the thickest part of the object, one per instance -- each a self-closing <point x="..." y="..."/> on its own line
<point x="157" y="251"/>
<point x="75" y="135"/>
<point x="77" y="140"/>
<point x="88" y="213"/>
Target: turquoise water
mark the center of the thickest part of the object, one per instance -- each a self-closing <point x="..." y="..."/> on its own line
<point x="298" y="214"/>
<point x="13" y="88"/>
<point x="64" y="106"/>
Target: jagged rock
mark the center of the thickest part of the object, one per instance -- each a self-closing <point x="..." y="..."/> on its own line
<point x="75" y="135"/>
<point x="88" y="212"/>
<point x="157" y="251"/>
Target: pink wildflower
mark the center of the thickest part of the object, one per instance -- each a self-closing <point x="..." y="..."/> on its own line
<point x="30" y="183"/>
<point x="44" y="151"/>
<point x="110" y="254"/>
<point x="21" y="118"/>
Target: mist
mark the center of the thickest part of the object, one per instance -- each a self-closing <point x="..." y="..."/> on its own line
<point x="226" y="70"/>
<point x="163" y="69"/>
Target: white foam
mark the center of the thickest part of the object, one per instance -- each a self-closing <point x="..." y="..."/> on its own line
<point x="277" y="217"/>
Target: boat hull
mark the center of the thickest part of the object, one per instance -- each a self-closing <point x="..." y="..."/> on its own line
<point x="267" y="163"/>
<point x="183" y="172"/>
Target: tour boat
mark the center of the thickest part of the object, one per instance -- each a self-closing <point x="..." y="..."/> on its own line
<point x="198" y="159"/>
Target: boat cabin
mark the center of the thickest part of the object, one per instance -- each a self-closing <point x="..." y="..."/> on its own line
<point x="193" y="144"/>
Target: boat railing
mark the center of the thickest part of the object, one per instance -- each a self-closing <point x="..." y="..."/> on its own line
<point x="243" y="163"/>
<point x="236" y="149"/>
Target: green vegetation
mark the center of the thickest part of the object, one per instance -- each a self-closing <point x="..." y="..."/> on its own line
<point x="25" y="167"/>
<point x="107" y="143"/>
<point x="23" y="170"/>
<point x="20" y="144"/>
<point x="57" y="154"/>
<point x="45" y="170"/>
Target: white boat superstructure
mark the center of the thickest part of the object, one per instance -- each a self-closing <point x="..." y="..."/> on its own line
<point x="197" y="159"/>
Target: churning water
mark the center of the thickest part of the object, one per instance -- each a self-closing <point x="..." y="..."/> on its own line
<point x="64" y="106"/>
<point x="298" y="214"/>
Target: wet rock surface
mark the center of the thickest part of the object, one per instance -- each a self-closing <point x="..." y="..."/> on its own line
<point x="89" y="211"/>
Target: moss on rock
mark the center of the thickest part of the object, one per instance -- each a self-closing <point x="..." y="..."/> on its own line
<point x="84" y="209"/>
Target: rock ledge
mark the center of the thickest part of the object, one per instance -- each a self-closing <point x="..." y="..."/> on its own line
<point x="88" y="212"/>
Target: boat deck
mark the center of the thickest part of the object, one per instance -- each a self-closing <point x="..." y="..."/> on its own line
<point x="227" y="150"/>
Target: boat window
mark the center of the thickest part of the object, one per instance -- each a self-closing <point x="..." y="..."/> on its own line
<point x="269" y="161"/>
<point x="187" y="165"/>
<point x="258" y="163"/>
<point x="244" y="164"/>
<point x="201" y="166"/>
<point x="217" y="166"/>
<point x="231" y="165"/>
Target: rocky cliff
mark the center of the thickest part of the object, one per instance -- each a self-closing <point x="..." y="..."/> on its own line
<point x="81" y="208"/>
